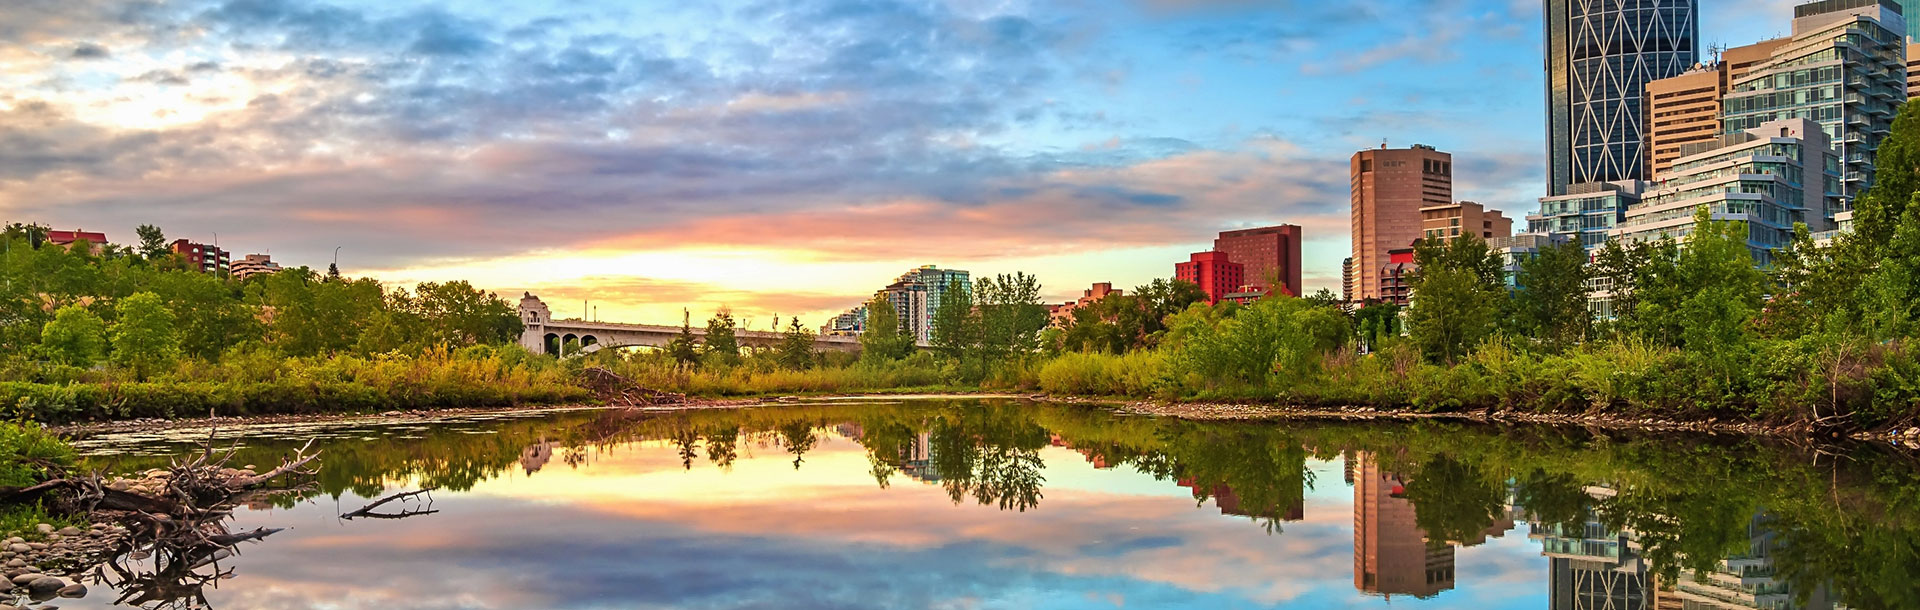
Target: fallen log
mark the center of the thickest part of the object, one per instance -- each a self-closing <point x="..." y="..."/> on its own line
<point x="367" y="511"/>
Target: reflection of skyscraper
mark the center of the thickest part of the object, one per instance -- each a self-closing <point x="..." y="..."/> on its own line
<point x="1391" y="554"/>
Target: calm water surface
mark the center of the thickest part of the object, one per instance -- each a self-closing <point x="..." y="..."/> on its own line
<point x="1008" y="504"/>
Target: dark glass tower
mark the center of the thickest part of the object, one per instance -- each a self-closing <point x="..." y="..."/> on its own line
<point x="1600" y="56"/>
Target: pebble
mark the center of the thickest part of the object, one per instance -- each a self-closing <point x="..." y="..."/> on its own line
<point x="46" y="584"/>
<point x="73" y="591"/>
<point x="25" y="578"/>
<point x="19" y="547"/>
<point x="70" y="531"/>
<point x="44" y="528"/>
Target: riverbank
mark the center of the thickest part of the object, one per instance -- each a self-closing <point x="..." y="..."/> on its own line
<point x="1908" y="438"/>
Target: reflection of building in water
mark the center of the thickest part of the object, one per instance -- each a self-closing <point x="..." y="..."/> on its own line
<point x="1230" y="503"/>
<point x="1096" y="458"/>
<point x="1391" y="555"/>
<point x="850" y="430"/>
<point x="536" y="455"/>
<point x="1594" y="568"/>
<point x="916" y="460"/>
<point x="1743" y="581"/>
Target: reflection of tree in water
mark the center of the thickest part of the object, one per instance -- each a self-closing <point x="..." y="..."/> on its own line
<point x="993" y="456"/>
<point x="723" y="445"/>
<point x="797" y="437"/>
<point x="1455" y="501"/>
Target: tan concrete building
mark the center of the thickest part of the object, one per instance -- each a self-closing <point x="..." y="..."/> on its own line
<point x="1464" y="218"/>
<point x="1685" y="109"/>
<point x="1390" y="187"/>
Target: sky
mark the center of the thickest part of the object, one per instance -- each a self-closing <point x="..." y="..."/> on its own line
<point x="777" y="157"/>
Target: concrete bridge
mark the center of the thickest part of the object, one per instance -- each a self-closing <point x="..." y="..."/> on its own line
<point x="546" y="335"/>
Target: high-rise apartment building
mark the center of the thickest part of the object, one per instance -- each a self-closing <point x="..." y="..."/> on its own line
<point x="916" y="296"/>
<point x="1346" y="279"/>
<point x="207" y="259"/>
<point x="1215" y="273"/>
<point x="1446" y="222"/>
<point x="1771" y="176"/>
<point x="1390" y="187"/>
<point x="1844" y="68"/>
<point x="1271" y="256"/>
<point x="1600" y="56"/>
<point x="1686" y="109"/>
<point x="1913" y="67"/>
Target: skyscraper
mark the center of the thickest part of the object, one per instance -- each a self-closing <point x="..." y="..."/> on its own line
<point x="1600" y="56"/>
<point x="916" y="296"/>
<point x="1909" y="7"/>
<point x="1390" y="186"/>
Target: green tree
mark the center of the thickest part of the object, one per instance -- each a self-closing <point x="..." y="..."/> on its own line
<point x="1249" y="345"/>
<point x="884" y="339"/>
<point x="75" y="336"/>
<point x="209" y="313"/>
<point x="796" y="347"/>
<point x="1377" y="323"/>
<point x="1011" y="316"/>
<point x="458" y="314"/>
<point x="723" y="346"/>
<point x="1551" y="301"/>
<point x="956" y="326"/>
<point x="143" y="335"/>
<point x="683" y="348"/>
<point x="153" y="242"/>
<point x="1459" y="292"/>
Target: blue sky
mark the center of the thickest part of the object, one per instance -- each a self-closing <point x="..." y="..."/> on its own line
<point x="774" y="156"/>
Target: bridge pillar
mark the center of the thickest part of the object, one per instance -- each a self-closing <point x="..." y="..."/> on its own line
<point x="535" y="315"/>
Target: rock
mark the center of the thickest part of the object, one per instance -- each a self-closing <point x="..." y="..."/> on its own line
<point x="74" y="590"/>
<point x="17" y="563"/>
<point x="16" y="540"/>
<point x="27" y="577"/>
<point x="46" y="584"/>
<point x="44" y="528"/>
<point x="19" y="547"/>
<point x="37" y="546"/>
<point x="70" y="531"/>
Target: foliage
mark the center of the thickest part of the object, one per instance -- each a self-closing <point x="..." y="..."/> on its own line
<point x="1551" y="300"/>
<point x="796" y="349"/>
<point x="143" y="335"/>
<point x="884" y="339"/>
<point x="723" y="346"/>
<point x="153" y="242"/>
<point x="75" y="337"/>
<point x="1459" y="293"/>
<point x="683" y="347"/>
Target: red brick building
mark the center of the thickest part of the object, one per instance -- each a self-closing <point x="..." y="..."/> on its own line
<point x="1214" y="272"/>
<point x="1268" y="253"/>
<point x="208" y="259"/>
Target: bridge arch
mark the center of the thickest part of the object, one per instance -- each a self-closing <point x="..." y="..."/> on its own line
<point x="587" y="340"/>
<point x="552" y="344"/>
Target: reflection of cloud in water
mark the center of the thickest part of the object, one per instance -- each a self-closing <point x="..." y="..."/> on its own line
<point x="636" y="529"/>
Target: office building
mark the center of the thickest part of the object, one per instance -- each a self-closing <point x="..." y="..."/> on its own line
<point x="917" y="295"/>
<point x="1389" y="188"/>
<point x="1844" y="68"/>
<point x="252" y="265"/>
<point x="1600" y="56"/>
<point x="1271" y="256"/>
<point x="1911" y="7"/>
<point x="1391" y="554"/>
<point x="1216" y="275"/>
<point x="205" y="258"/>
<point x="1446" y="222"/>
<point x="1586" y="212"/>
<point x="850" y="323"/>
<point x="1686" y="109"/>
<point x="1771" y="176"/>
<point x="1913" y="66"/>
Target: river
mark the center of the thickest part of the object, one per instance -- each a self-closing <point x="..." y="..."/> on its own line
<point x="939" y="503"/>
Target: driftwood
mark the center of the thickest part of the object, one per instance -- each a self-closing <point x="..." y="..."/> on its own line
<point x="181" y="526"/>
<point x="616" y="390"/>
<point x="367" y="511"/>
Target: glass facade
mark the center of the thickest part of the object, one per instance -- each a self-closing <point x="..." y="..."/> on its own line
<point x="1844" y="69"/>
<point x="1761" y="180"/>
<point x="1587" y="213"/>
<point x="1600" y="56"/>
